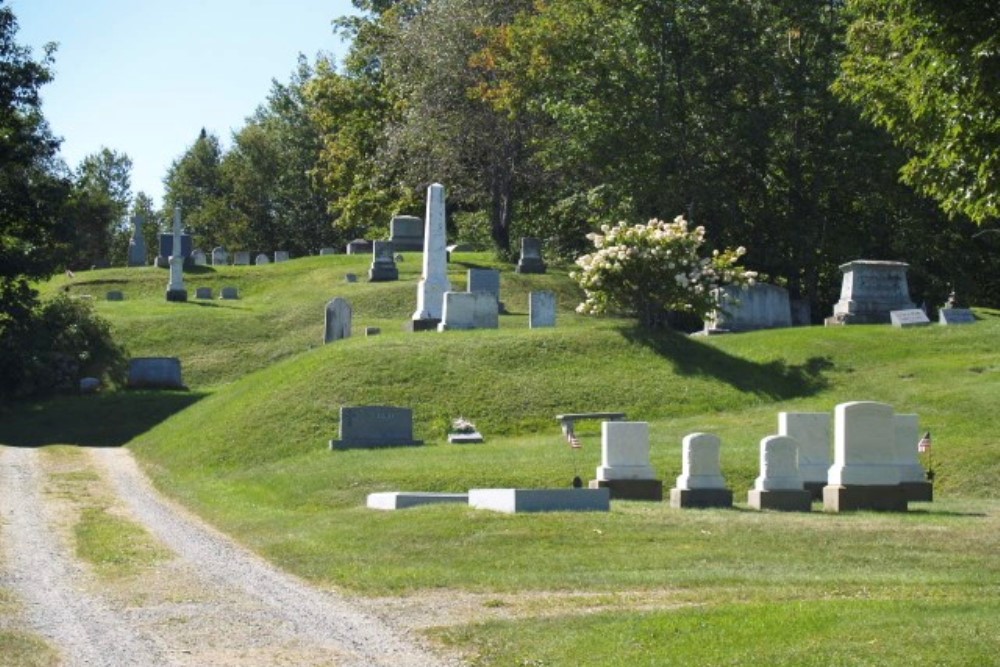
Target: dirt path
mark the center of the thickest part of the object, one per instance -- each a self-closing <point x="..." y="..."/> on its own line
<point x="212" y="602"/>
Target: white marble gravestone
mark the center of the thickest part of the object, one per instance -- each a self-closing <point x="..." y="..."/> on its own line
<point x="199" y="258"/>
<point x="912" y="476"/>
<point x="434" y="278"/>
<point x="241" y="258"/>
<point x="280" y="256"/>
<point x="625" y="467"/>
<point x="155" y="373"/>
<point x="338" y="320"/>
<point x="913" y="317"/>
<point x="219" y="256"/>
<point x="870" y="291"/>
<point x="700" y="483"/>
<point x="262" y="259"/>
<point x="175" y="288"/>
<point x="541" y="309"/>
<point x="459" y="311"/>
<point x="811" y="430"/>
<point x="758" y="306"/>
<point x="865" y="473"/>
<point x="779" y="485"/>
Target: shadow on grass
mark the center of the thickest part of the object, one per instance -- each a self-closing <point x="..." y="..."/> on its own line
<point x="104" y="420"/>
<point x="776" y="380"/>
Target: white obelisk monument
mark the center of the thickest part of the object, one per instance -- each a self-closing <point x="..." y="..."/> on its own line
<point x="175" y="289"/>
<point x="434" y="281"/>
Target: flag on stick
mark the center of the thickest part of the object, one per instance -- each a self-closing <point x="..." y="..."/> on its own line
<point x="925" y="443"/>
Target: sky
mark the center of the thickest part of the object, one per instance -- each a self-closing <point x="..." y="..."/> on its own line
<point x="142" y="77"/>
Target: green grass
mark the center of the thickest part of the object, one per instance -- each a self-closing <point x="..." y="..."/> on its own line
<point x="116" y="547"/>
<point x="247" y="450"/>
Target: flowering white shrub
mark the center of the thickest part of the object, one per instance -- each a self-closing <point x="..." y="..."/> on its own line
<point x="646" y="270"/>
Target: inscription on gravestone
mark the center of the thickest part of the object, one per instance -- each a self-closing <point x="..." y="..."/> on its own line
<point x="956" y="316"/>
<point x="375" y="426"/>
<point x="913" y="317"/>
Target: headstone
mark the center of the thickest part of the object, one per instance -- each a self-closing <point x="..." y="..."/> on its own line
<point x="758" y="306"/>
<point x="350" y="278"/>
<point x="434" y="277"/>
<point x="956" y="316"/>
<point x="912" y="476"/>
<point x="155" y="373"/>
<point x="90" y="385"/>
<point x="375" y="426"/>
<point x="531" y="256"/>
<point x="625" y="468"/>
<point x="870" y="291"/>
<point x="280" y="256"/>
<point x="541" y="309"/>
<point x="359" y="247"/>
<point x="801" y="312"/>
<point x="779" y="486"/>
<point x="241" y="258"/>
<point x="406" y="232"/>
<point x="229" y="293"/>
<point x="175" y="288"/>
<point x="137" y="244"/>
<point x="323" y="252"/>
<point x="515" y="501"/>
<point x="372" y="331"/>
<point x="398" y="500"/>
<point x="116" y="295"/>
<point x="913" y="317"/>
<point x="383" y="268"/>
<point x="219" y="256"/>
<point x="262" y="259"/>
<point x="700" y="483"/>
<point x="203" y="293"/>
<point x="459" y="311"/>
<point x="485" y="311"/>
<point x="198" y="257"/>
<point x="811" y="431"/>
<point x="167" y="247"/>
<point x="338" y="320"/>
<point x="865" y="473"/>
<point x="484" y="280"/>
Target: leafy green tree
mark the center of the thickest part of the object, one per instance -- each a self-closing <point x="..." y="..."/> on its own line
<point x="98" y="206"/>
<point x="194" y="182"/>
<point x="929" y="73"/>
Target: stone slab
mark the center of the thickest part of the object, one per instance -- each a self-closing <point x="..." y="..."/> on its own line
<point x="115" y="295"/>
<point x="155" y="373"/>
<point x="203" y="293"/>
<point x="956" y="316"/>
<point x="700" y="498"/>
<point x="515" y="501"/>
<point x="398" y="500"/>
<point x="630" y="489"/>
<point x="465" y="438"/>
<point x="229" y="293"/>
<point x="911" y="317"/>
<point x="887" y="498"/>
<point x="783" y="501"/>
<point x="918" y="492"/>
<point x="370" y="426"/>
<point x="426" y="324"/>
<point x="177" y="295"/>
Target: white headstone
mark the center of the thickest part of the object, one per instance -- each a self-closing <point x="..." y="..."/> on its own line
<point x="459" y="311"/>
<point x="262" y="259"/>
<point x="907" y="437"/>
<point x="338" y="320"/>
<point x="912" y="317"/>
<point x="701" y="463"/>
<point x="625" y="451"/>
<point x="241" y="258"/>
<point x="871" y="290"/>
<point x="758" y="306"/>
<point x="486" y="311"/>
<point x="811" y="430"/>
<point x="864" y="445"/>
<point x="199" y="258"/>
<point x="541" y="309"/>
<point x="779" y="470"/>
<point x="280" y="256"/>
<point x="219" y="256"/>
<point x="434" y="279"/>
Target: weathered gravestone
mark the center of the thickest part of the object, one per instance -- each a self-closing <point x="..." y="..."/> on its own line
<point x="406" y="232"/>
<point x="912" y="476"/>
<point x="203" y="293"/>
<point x="485" y="280"/>
<point x="115" y="295"/>
<point x="700" y="483"/>
<point x="434" y="276"/>
<point x="913" y="317"/>
<point x="870" y="291"/>
<point x="459" y="311"/>
<point x="956" y="316"/>
<point x="375" y="426"/>
<point x="485" y="311"/>
<point x="758" y="306"/>
<point x="515" y="501"/>
<point x="198" y="257"/>
<point x="219" y="256"/>
<point x="865" y="473"/>
<point x="350" y="278"/>
<point x="137" y="244"/>
<point x="166" y="249"/>
<point x="625" y="468"/>
<point x="155" y="373"/>
<point x="261" y="259"/>
<point x="241" y="258"/>
<point x="327" y="251"/>
<point x="229" y="293"/>
<point x="779" y="485"/>
<point x="531" y="256"/>
<point x="383" y="268"/>
<point x="541" y="309"/>
<point x="338" y="320"/>
<point x="175" y="288"/>
<point x="811" y="431"/>
<point x="280" y="256"/>
<point x="359" y="247"/>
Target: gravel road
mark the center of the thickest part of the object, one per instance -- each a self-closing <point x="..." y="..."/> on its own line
<point x="211" y="602"/>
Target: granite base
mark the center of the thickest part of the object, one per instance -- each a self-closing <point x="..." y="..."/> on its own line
<point x="881" y="498"/>
<point x="788" y="500"/>
<point x="630" y="489"/>
<point x="700" y="498"/>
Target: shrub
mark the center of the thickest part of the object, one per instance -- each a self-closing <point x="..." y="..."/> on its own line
<point x="647" y="270"/>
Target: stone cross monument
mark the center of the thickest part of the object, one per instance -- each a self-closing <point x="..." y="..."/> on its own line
<point x="434" y="280"/>
<point x="137" y="244"/>
<point x="175" y="289"/>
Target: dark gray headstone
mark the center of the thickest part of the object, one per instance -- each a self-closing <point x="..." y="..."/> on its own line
<point x="155" y="373"/>
<point x="375" y="426"/>
<point x="137" y="244"/>
<point x="407" y="232"/>
<point x="241" y="258"/>
<point x="203" y="293"/>
<point x="956" y="316"/>
<point x="484" y="280"/>
<point x="338" y="320"/>
<point x="229" y="293"/>
<point x="531" y="256"/>
<point x="350" y="278"/>
<point x="359" y="247"/>
<point x="115" y="295"/>
<point x="167" y="245"/>
<point x="383" y="268"/>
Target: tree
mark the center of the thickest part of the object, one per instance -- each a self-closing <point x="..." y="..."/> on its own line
<point x="195" y="183"/>
<point x="929" y="73"/>
<point x="98" y="206"/>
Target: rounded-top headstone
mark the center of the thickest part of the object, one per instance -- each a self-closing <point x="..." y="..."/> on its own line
<point x="779" y="470"/>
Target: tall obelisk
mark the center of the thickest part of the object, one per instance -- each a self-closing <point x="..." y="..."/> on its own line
<point x="175" y="289"/>
<point x="434" y="280"/>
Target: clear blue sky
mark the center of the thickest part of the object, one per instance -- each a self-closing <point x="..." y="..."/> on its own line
<point x="144" y="76"/>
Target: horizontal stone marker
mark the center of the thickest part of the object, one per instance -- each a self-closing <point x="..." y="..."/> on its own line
<point x="350" y="278"/>
<point x="229" y="293"/>
<point x="372" y="331"/>
<point x="370" y="426"/>
<point x="956" y="316"/>
<point x="241" y="258"/>
<point x="90" y="385"/>
<point x="397" y="500"/>
<point x="359" y="247"/>
<point x="514" y="501"/>
<point x="203" y="293"/>
<point x="473" y="438"/>
<point x="155" y="373"/>
<point x="280" y="256"/>
<point x="912" y="317"/>
<point x="115" y="295"/>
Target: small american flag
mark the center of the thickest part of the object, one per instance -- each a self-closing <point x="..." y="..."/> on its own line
<point x="925" y="443"/>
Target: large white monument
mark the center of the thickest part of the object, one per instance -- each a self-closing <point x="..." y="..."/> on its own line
<point x="434" y="280"/>
<point x="870" y="291"/>
<point x="175" y="289"/>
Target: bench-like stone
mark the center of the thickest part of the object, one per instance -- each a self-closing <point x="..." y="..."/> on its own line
<point x="514" y="501"/>
<point x="397" y="500"/>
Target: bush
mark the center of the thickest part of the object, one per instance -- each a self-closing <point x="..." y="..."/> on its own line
<point x="60" y="342"/>
<point x="648" y="270"/>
